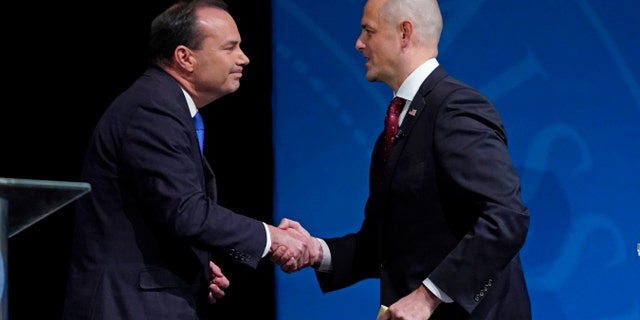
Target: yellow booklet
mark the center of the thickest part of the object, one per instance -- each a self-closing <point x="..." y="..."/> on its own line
<point x="383" y="308"/>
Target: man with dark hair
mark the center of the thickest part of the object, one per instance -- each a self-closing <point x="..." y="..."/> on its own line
<point x="145" y="235"/>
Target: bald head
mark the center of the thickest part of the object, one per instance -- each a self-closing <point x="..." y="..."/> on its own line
<point x="424" y="14"/>
<point x="398" y="36"/>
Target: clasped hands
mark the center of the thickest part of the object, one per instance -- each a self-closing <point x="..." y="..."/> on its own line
<point x="292" y="247"/>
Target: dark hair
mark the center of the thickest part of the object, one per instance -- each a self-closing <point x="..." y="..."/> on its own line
<point x="176" y="26"/>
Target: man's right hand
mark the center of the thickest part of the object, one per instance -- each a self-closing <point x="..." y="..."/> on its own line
<point x="287" y="258"/>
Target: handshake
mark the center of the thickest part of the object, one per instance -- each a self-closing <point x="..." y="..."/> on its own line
<point x="292" y="247"/>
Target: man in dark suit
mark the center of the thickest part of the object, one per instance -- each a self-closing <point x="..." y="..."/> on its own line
<point x="145" y="235"/>
<point x="444" y="222"/>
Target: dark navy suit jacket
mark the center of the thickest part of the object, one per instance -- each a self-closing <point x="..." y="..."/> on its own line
<point x="144" y="235"/>
<point x="446" y="206"/>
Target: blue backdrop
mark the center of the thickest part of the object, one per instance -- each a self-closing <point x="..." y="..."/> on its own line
<point x="565" y="76"/>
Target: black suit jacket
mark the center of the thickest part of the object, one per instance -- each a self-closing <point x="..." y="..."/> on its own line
<point x="144" y="235"/>
<point x="446" y="206"/>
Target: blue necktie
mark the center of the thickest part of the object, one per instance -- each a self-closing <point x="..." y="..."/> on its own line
<point x="197" y="121"/>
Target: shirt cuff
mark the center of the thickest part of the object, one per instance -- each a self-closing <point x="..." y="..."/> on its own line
<point x="436" y="291"/>
<point x="325" y="265"/>
<point x="268" y="246"/>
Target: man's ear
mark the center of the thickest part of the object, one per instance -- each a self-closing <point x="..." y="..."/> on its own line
<point x="406" y="28"/>
<point x="183" y="58"/>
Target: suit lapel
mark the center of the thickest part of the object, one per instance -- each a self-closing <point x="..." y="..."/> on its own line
<point x="418" y="105"/>
<point x="209" y="178"/>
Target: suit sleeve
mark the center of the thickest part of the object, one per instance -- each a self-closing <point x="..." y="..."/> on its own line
<point x="167" y="172"/>
<point x="481" y="192"/>
<point x="353" y="258"/>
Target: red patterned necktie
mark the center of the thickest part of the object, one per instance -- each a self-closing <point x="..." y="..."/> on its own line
<point x="391" y="124"/>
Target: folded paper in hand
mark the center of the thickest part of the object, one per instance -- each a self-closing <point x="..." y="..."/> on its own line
<point x="383" y="308"/>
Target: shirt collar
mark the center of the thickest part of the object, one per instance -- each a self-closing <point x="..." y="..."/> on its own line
<point x="412" y="84"/>
<point x="192" y="105"/>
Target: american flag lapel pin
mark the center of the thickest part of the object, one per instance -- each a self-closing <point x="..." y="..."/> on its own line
<point x="412" y="112"/>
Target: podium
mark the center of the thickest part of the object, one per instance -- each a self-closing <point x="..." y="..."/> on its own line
<point x="23" y="202"/>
